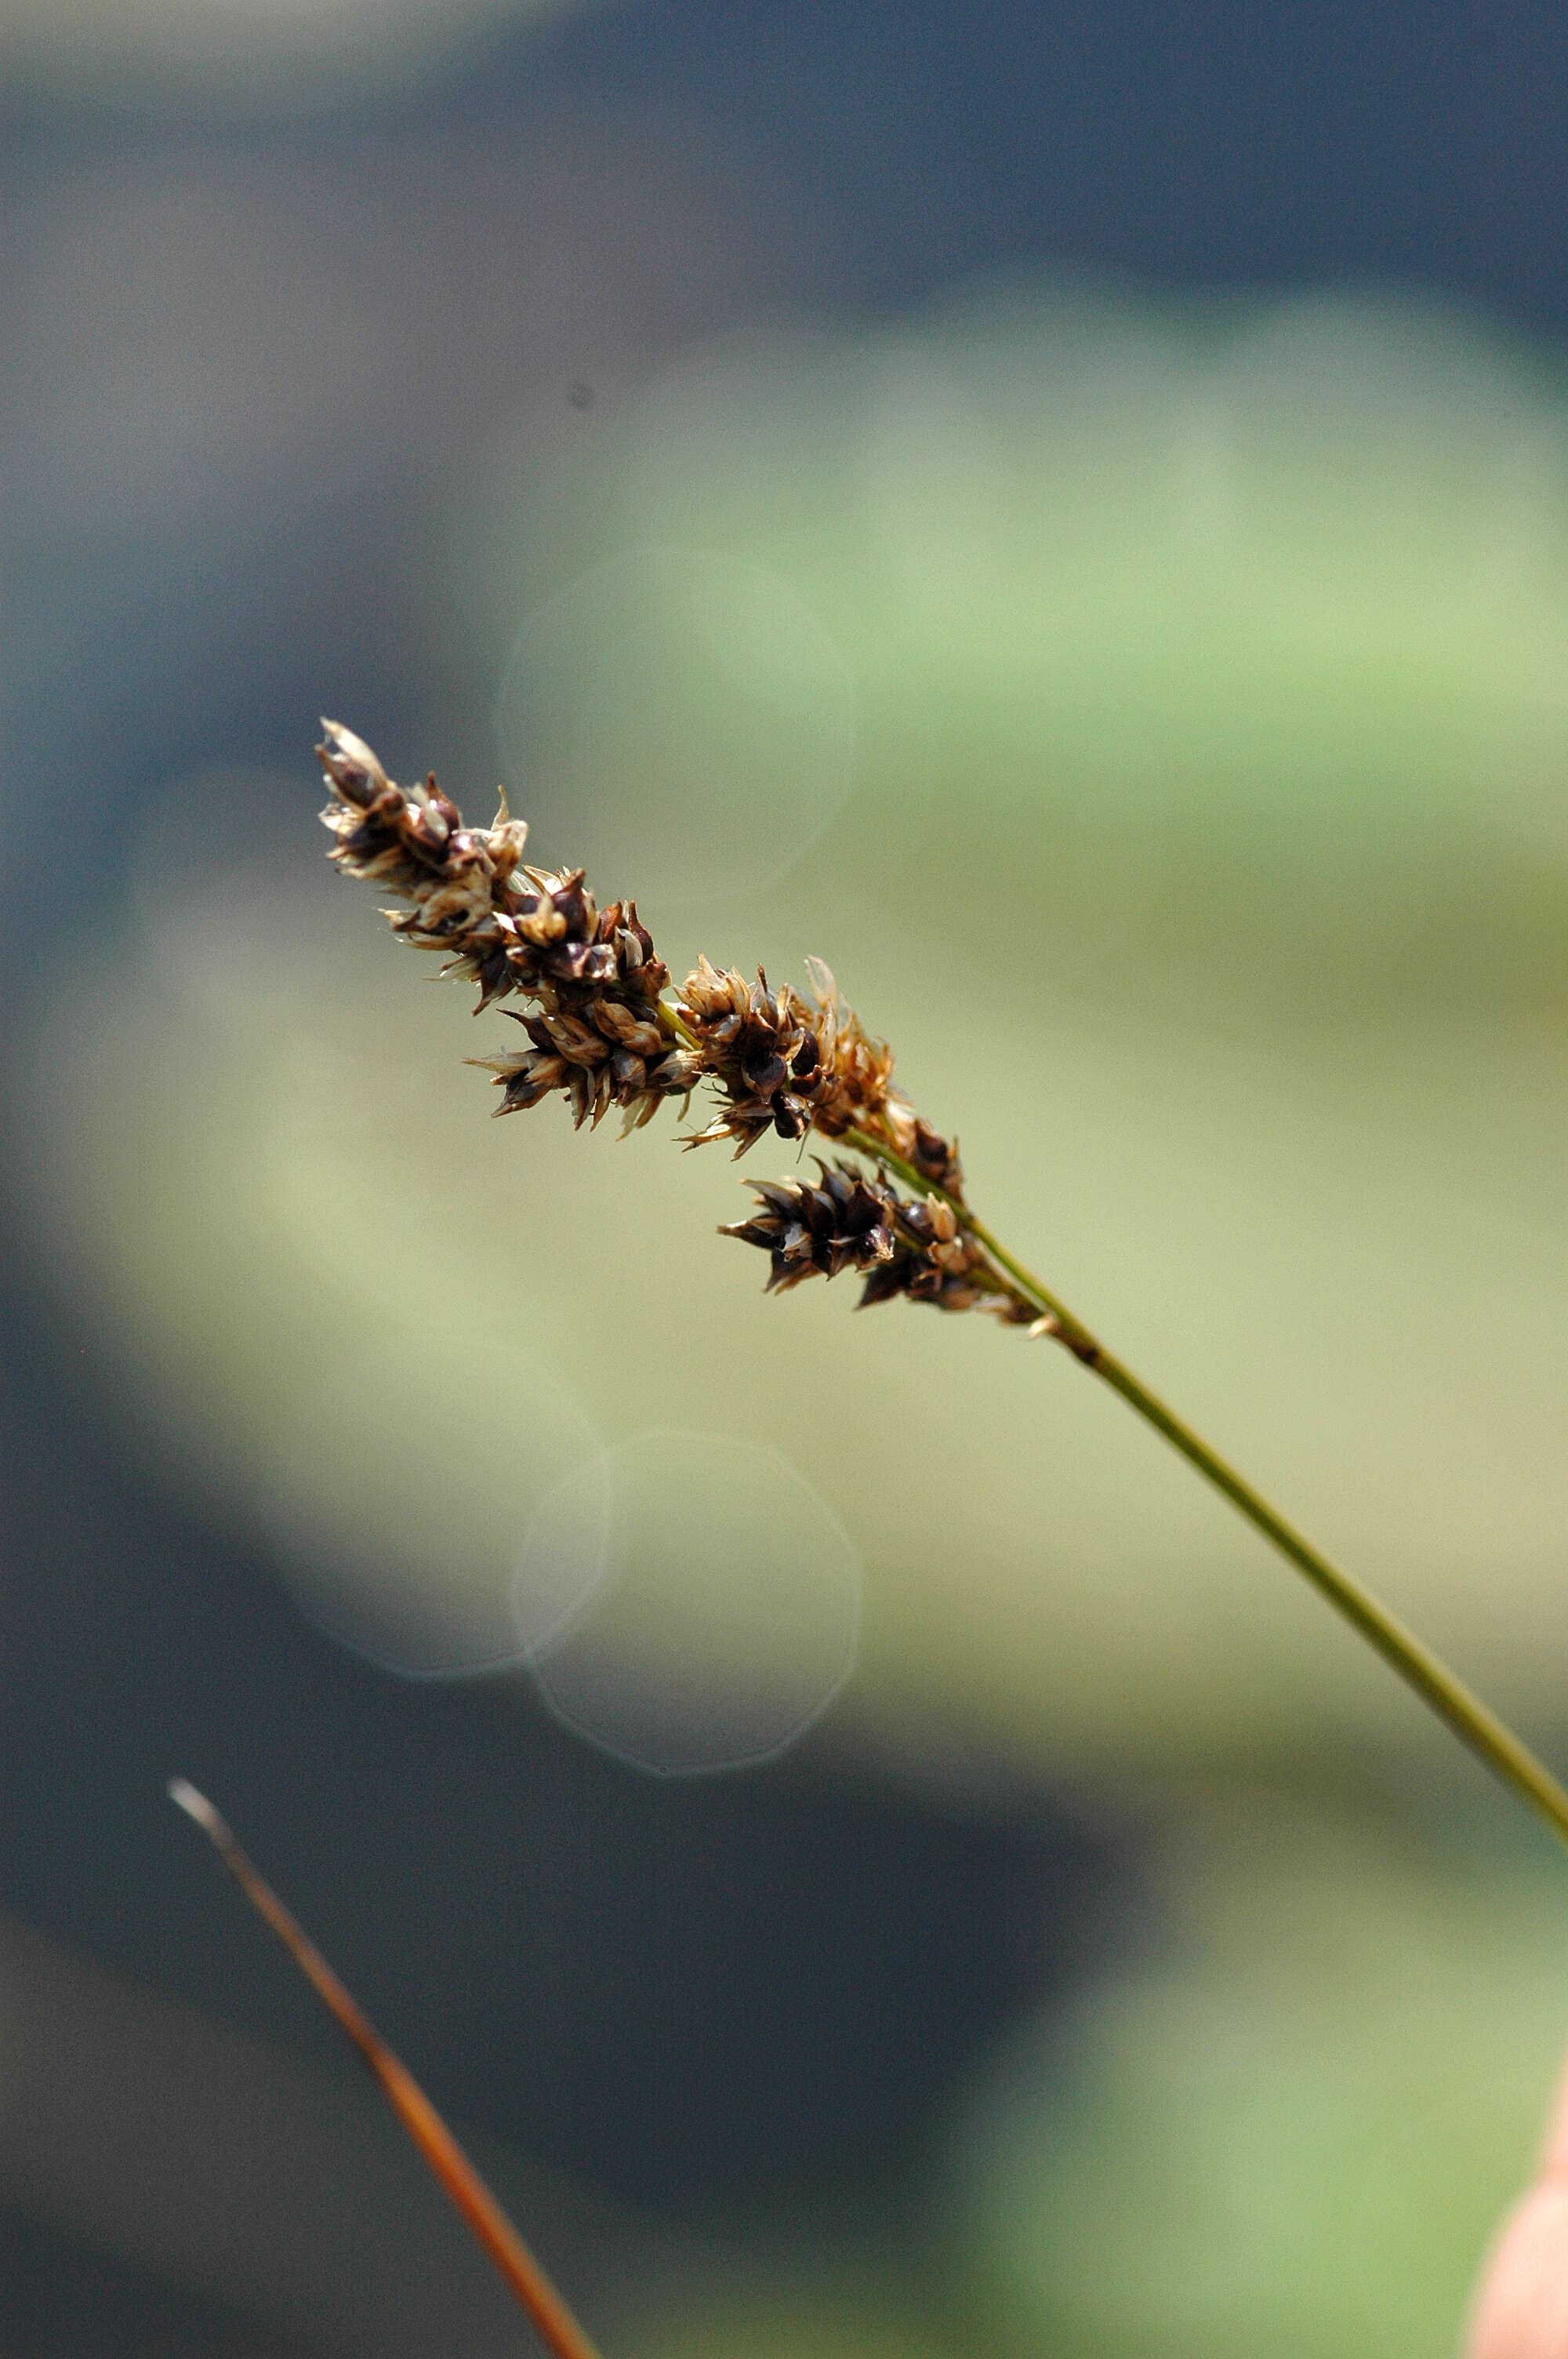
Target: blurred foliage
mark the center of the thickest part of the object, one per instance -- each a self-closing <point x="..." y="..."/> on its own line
<point x="270" y="49"/>
<point x="1292" y="2127"/>
<point x="1292" y="2131"/>
<point x="1254" y="611"/>
<point x="785" y="2324"/>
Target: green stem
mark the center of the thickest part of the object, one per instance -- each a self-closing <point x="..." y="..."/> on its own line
<point x="1472" y="1720"/>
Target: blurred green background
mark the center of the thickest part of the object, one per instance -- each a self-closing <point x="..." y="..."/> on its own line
<point x="1138" y="670"/>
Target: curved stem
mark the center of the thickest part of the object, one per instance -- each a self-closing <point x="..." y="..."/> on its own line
<point x="1471" y="1719"/>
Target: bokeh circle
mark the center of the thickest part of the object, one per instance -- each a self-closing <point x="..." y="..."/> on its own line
<point x="725" y="1613"/>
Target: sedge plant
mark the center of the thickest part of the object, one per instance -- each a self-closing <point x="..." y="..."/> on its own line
<point x="603" y="1029"/>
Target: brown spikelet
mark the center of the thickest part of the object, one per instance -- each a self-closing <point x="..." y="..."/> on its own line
<point x="592" y="974"/>
<point x="901" y="1246"/>
<point x="786" y="1065"/>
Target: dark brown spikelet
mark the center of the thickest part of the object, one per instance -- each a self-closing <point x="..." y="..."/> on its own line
<point x="596" y="1033"/>
<point x="846" y="1223"/>
<point x="901" y="1246"/>
<point x="935" y="1262"/>
<point x="787" y="1065"/>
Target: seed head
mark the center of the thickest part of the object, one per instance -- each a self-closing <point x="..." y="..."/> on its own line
<point x="599" y="1031"/>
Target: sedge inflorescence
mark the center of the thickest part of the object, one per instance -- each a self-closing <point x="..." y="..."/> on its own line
<point x="604" y="1030"/>
<point x="850" y="1220"/>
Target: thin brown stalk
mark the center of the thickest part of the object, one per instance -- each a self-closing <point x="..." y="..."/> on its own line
<point x="556" y="2328"/>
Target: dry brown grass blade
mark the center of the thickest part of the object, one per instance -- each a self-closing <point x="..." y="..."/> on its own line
<point x="558" y="2329"/>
